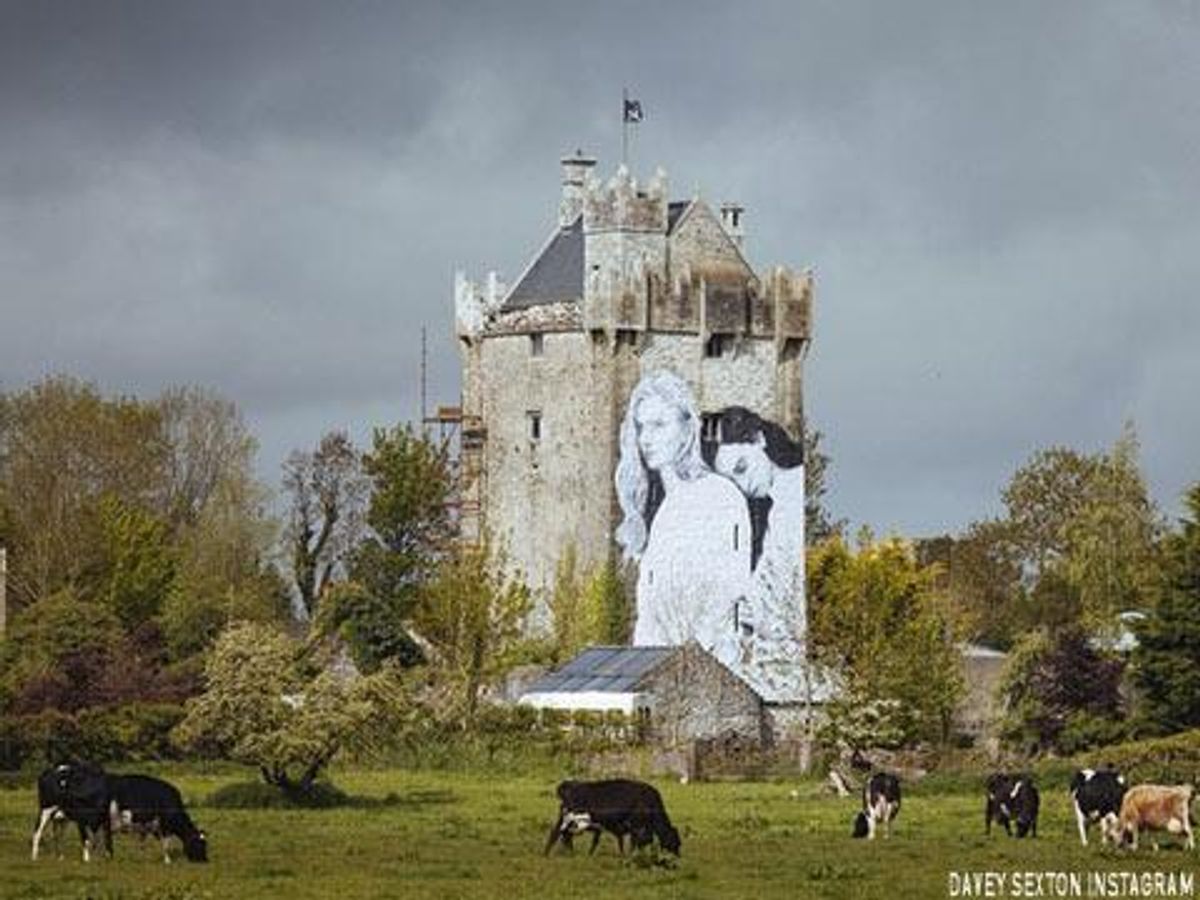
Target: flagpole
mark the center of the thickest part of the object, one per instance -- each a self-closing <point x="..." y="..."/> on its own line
<point x="625" y="127"/>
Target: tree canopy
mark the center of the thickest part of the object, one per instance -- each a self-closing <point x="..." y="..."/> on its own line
<point x="264" y="706"/>
<point x="1167" y="658"/>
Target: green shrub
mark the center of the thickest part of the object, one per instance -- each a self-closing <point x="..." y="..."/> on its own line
<point x="1166" y="760"/>
<point x="38" y="739"/>
<point x="135" y="732"/>
<point x="1084" y="731"/>
<point x="259" y="795"/>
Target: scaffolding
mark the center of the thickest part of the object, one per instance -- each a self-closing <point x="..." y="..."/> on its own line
<point x="463" y="438"/>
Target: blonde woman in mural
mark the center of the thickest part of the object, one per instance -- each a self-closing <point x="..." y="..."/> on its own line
<point x="687" y="529"/>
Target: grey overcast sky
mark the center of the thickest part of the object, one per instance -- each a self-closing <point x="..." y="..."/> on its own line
<point x="1001" y="202"/>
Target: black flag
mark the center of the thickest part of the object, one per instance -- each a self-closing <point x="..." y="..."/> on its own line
<point x="633" y="110"/>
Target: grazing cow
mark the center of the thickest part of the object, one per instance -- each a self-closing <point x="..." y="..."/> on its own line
<point x="1012" y="798"/>
<point x="77" y="792"/>
<point x="1096" y="796"/>
<point x="50" y="809"/>
<point x="1156" y="807"/>
<point x="881" y="804"/>
<point x="151" y="804"/>
<point x="618" y="805"/>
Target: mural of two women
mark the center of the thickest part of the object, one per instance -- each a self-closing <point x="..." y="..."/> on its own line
<point x="719" y="547"/>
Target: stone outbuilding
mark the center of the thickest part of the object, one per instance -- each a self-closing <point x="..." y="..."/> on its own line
<point x="683" y="693"/>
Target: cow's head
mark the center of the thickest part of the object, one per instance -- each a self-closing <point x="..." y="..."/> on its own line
<point x="195" y="847"/>
<point x="669" y="838"/>
<point x="861" y="828"/>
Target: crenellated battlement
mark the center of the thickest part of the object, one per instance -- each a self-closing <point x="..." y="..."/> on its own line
<point x="626" y="259"/>
<point x="475" y="305"/>
<point x="621" y="204"/>
<point x="791" y="294"/>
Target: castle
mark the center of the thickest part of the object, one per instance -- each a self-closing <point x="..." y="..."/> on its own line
<point x="628" y="283"/>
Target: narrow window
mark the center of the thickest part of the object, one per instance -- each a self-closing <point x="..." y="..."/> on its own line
<point x="716" y="346"/>
<point x="792" y="348"/>
<point x="537" y="344"/>
<point x="710" y="427"/>
<point x="535" y="424"/>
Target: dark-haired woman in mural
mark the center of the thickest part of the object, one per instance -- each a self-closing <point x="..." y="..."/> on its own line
<point x="768" y="466"/>
<point x="687" y="529"/>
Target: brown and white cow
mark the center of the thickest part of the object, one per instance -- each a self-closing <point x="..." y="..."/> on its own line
<point x="1156" y="807"/>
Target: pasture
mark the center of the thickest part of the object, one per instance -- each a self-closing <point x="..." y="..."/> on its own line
<point x="445" y="835"/>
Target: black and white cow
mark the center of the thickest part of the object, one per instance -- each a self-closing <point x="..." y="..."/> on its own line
<point x="881" y="804"/>
<point x="152" y="805"/>
<point x="1012" y="798"/>
<point x="1096" y="797"/>
<point x="618" y="805"/>
<point x="50" y="810"/>
<point x="77" y="792"/>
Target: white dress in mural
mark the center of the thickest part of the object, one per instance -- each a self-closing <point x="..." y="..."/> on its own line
<point x="686" y="528"/>
<point x="693" y="571"/>
<point x="719" y="548"/>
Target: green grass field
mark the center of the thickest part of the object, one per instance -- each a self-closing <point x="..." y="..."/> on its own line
<point x="433" y="834"/>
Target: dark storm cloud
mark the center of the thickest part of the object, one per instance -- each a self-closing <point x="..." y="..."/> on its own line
<point x="271" y="198"/>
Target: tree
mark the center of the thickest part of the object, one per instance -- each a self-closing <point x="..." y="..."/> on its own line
<point x="409" y="521"/>
<point x="262" y="708"/>
<point x="1079" y="531"/>
<point x="472" y="616"/>
<point x="606" y="594"/>
<point x="373" y="628"/>
<point x="818" y="526"/>
<point x="1042" y="500"/>
<point x="1167" y="658"/>
<point x="984" y="577"/>
<point x="206" y="444"/>
<point x="327" y="491"/>
<point x="67" y="654"/>
<point x="224" y="572"/>
<point x="1111" y="540"/>
<point x="136" y="565"/>
<point x="1056" y="682"/>
<point x="573" y="623"/>
<point x="881" y="628"/>
<point x="64" y="448"/>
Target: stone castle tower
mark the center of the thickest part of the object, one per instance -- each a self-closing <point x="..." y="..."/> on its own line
<point x="628" y="282"/>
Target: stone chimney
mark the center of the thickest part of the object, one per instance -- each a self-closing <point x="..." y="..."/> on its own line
<point x="575" y="171"/>
<point x="731" y="218"/>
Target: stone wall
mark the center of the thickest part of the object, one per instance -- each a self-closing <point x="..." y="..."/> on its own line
<point x="745" y="376"/>
<point x="542" y="494"/>
<point x="701" y="245"/>
<point x="697" y="697"/>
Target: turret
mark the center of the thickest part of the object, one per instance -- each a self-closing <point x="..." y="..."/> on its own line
<point x="576" y="170"/>
<point x="625" y="250"/>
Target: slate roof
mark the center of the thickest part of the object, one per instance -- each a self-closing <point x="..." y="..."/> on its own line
<point x="555" y="275"/>
<point x="675" y="211"/>
<point x="610" y="669"/>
